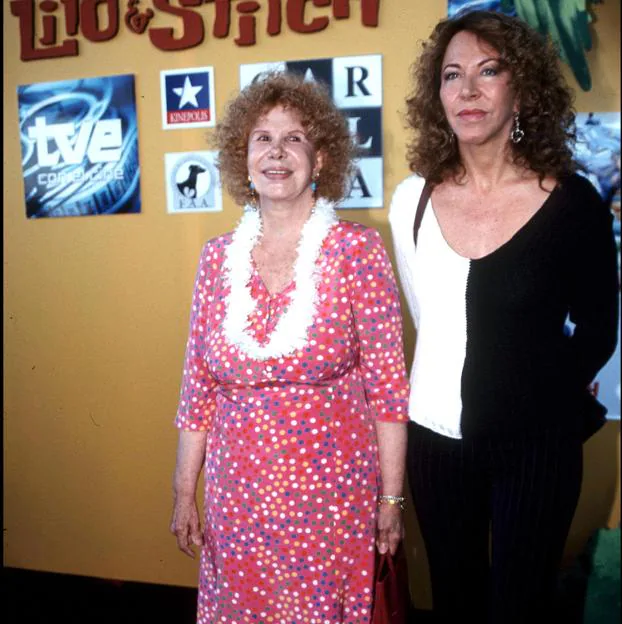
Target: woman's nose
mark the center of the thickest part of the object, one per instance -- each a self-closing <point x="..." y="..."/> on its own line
<point x="276" y="149"/>
<point x="468" y="88"/>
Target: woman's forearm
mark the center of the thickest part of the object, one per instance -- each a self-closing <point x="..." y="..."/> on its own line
<point x="392" y="441"/>
<point x="190" y="456"/>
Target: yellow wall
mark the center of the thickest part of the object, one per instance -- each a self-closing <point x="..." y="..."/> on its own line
<point x="96" y="309"/>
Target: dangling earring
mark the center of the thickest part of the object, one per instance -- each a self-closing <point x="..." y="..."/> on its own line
<point x="252" y="193"/>
<point x="314" y="185"/>
<point x="516" y="133"/>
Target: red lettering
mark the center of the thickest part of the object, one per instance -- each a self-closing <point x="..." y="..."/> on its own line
<point x="341" y="9"/>
<point x="274" y="17"/>
<point x="135" y="20"/>
<point x="222" y="20"/>
<point x="369" y="12"/>
<point x="24" y="10"/>
<point x="192" y="31"/>
<point x="90" y="20"/>
<point x="84" y="15"/>
<point x="188" y="116"/>
<point x="49" y="22"/>
<point x="71" y="16"/>
<point x="247" y="23"/>
<point x="296" y="16"/>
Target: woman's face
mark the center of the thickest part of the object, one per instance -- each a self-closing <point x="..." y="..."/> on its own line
<point x="281" y="160"/>
<point x="475" y="92"/>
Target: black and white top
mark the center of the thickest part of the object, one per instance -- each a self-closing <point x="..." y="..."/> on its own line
<point x="493" y="353"/>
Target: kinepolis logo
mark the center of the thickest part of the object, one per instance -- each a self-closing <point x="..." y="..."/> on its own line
<point x="80" y="147"/>
<point x="193" y="184"/>
<point x="187" y="98"/>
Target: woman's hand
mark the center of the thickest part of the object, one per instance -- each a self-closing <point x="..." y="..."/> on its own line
<point x="392" y="439"/>
<point x="185" y="524"/>
<point x="390" y="528"/>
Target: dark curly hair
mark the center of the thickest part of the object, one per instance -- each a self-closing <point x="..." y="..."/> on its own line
<point x="325" y="127"/>
<point x="546" y="102"/>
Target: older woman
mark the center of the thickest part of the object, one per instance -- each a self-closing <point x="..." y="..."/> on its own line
<point x="498" y="240"/>
<point x="294" y="390"/>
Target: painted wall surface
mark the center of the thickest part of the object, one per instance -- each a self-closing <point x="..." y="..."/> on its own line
<point x="96" y="308"/>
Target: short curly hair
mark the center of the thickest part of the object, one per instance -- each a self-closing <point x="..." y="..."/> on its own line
<point x="324" y="124"/>
<point x="546" y="102"/>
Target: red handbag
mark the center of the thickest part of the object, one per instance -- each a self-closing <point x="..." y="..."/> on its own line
<point x="391" y="592"/>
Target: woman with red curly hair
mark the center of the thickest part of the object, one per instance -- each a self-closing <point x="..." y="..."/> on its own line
<point x="294" y="394"/>
<point x="498" y="241"/>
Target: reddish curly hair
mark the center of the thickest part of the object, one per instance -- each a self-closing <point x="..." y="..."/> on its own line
<point x="325" y="127"/>
<point x="545" y="100"/>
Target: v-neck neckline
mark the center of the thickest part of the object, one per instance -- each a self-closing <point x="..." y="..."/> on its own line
<point x="525" y="228"/>
<point x="272" y="295"/>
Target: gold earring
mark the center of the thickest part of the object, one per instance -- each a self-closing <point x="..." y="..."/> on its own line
<point x="252" y="192"/>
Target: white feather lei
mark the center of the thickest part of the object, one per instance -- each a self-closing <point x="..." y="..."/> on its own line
<point x="290" y="332"/>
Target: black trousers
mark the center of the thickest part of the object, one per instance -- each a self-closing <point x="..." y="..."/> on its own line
<point x="494" y="517"/>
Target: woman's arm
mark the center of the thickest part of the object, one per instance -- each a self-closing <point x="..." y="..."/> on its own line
<point x="595" y="292"/>
<point x="392" y="439"/>
<point x="197" y="405"/>
<point x="185" y="523"/>
<point x="376" y="307"/>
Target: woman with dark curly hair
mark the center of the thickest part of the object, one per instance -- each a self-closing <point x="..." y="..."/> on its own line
<point x="498" y="241"/>
<point x="294" y="393"/>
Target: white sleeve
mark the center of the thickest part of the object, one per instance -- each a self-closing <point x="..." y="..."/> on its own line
<point x="401" y="219"/>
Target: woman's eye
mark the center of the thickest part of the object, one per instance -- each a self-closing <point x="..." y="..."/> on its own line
<point x="450" y="75"/>
<point x="490" y="71"/>
<point x="294" y="138"/>
<point x="262" y="137"/>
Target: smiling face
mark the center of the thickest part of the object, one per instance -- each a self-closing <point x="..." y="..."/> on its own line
<point x="475" y="91"/>
<point x="281" y="160"/>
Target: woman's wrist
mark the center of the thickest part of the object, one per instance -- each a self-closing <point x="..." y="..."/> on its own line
<point x="387" y="499"/>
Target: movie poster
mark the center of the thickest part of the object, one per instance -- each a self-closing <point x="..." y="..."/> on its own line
<point x="356" y="86"/>
<point x="79" y="142"/>
<point x="456" y="6"/>
<point x="598" y="149"/>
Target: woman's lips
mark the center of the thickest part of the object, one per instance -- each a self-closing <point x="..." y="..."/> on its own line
<point x="277" y="174"/>
<point x="472" y="114"/>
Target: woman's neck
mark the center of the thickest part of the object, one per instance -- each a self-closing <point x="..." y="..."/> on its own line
<point x="488" y="166"/>
<point x="284" y="220"/>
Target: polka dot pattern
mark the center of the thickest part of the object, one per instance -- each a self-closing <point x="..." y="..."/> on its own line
<point x="291" y="469"/>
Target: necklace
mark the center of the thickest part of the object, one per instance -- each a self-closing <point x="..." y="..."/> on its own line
<point x="290" y="332"/>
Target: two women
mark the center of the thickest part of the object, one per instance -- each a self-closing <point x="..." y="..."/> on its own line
<point x="294" y="391"/>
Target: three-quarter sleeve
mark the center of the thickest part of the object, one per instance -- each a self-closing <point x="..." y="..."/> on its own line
<point x="197" y="401"/>
<point x="595" y="290"/>
<point x="376" y="308"/>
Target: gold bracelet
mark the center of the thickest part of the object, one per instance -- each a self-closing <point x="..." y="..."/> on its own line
<point x="392" y="500"/>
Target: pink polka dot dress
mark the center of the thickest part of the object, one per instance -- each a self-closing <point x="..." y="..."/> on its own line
<point x="291" y="468"/>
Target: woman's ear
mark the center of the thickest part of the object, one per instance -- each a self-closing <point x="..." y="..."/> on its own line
<point x="319" y="162"/>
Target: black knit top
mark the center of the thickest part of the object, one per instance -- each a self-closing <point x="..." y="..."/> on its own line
<point x="493" y="353"/>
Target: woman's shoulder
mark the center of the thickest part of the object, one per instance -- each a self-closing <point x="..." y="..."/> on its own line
<point x="214" y="248"/>
<point x="346" y="228"/>
<point x="219" y="242"/>
<point x="354" y="233"/>
<point x="581" y="198"/>
<point x="413" y="182"/>
<point x="406" y="194"/>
